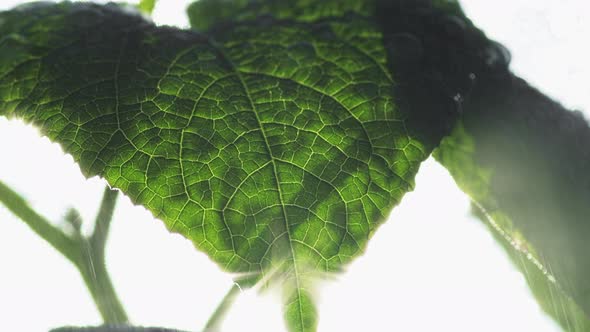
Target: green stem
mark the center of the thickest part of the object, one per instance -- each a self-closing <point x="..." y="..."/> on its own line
<point x="93" y="267"/>
<point x="97" y="280"/>
<point x="103" y="220"/>
<point x="86" y="253"/>
<point x="218" y="315"/>
<point x="53" y="235"/>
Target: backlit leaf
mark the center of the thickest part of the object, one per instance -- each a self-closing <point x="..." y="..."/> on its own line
<point x="276" y="141"/>
<point x="276" y="147"/>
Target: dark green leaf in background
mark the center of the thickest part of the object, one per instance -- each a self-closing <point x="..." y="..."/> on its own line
<point x="525" y="159"/>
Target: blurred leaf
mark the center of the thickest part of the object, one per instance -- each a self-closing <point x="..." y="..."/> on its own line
<point x="147" y="6"/>
<point x="548" y="294"/>
<point x="525" y="159"/>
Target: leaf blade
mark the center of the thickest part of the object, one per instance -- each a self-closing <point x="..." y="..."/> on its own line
<point x="264" y="169"/>
<point x="276" y="145"/>
<point x="147" y="6"/>
<point x="510" y="154"/>
<point x="550" y="297"/>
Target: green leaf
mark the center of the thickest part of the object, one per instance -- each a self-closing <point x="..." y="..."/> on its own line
<point x="524" y="159"/>
<point x="276" y="144"/>
<point x="547" y="292"/>
<point x="277" y="148"/>
<point x="204" y="14"/>
<point x="300" y="311"/>
<point x="147" y="6"/>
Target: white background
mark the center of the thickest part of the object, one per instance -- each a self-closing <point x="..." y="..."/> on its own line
<point x="429" y="268"/>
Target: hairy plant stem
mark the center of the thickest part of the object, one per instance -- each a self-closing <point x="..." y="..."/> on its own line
<point x="86" y="253"/>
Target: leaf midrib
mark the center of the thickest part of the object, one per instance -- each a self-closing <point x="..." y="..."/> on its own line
<point x="276" y="178"/>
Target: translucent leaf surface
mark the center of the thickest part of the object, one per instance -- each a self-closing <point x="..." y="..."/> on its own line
<point x="276" y="143"/>
<point x="279" y="151"/>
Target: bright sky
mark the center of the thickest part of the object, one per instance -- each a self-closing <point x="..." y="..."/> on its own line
<point x="429" y="268"/>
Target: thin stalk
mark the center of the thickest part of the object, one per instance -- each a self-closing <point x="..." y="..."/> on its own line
<point x="214" y="322"/>
<point x="93" y="267"/>
<point x="99" y="284"/>
<point x="103" y="219"/>
<point x="53" y="235"/>
<point x="86" y="253"/>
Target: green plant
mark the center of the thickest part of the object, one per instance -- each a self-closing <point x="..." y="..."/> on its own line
<point x="278" y="144"/>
